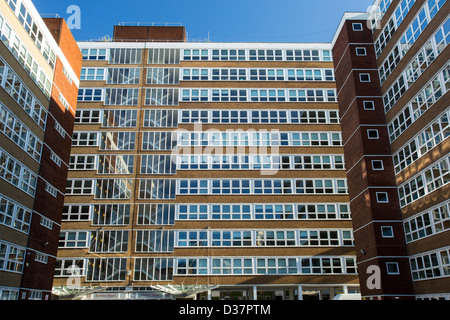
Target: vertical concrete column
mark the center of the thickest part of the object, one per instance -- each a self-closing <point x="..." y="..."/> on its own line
<point x="299" y="293"/>
<point x="345" y="289"/>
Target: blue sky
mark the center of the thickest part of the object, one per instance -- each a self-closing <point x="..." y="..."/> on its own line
<point x="223" y="21"/>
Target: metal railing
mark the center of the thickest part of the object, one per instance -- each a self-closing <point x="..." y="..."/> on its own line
<point x="151" y="24"/>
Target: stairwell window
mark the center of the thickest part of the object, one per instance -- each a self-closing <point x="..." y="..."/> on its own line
<point x="392" y="268"/>
<point x="372" y="134"/>
<point x="364" y="77"/>
<point x="382" y="197"/>
<point x="361" y="51"/>
<point x="369" y="105"/>
<point x="377" y="165"/>
<point x="387" y="232"/>
<point x="357" y="27"/>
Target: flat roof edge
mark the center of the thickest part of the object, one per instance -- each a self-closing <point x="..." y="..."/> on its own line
<point x="349" y="16"/>
<point x="200" y="45"/>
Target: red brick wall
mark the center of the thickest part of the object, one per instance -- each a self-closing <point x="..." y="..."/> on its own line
<point x="38" y="275"/>
<point x="363" y="181"/>
<point x="150" y="33"/>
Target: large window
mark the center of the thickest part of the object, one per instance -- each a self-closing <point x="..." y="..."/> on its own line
<point x="117" y="140"/>
<point x="80" y="187"/>
<point x="14" y="43"/>
<point x="427" y="181"/>
<point x="161" y="97"/>
<point x="264" y="265"/>
<point x="163" y="56"/>
<point x="218" y="138"/>
<point x="106" y="269"/>
<point x="123" y="76"/>
<point x="257" y="55"/>
<point x="163" y="269"/>
<point x="158" y="164"/>
<point x="429" y="265"/>
<point x="424" y="100"/>
<point x="156" y="214"/>
<point x="226" y="74"/>
<point x="121" y="96"/>
<point x="94" y="54"/>
<point x="160" y="118"/>
<point x="12" y="258"/>
<point x="115" y="164"/>
<point x="22" y="94"/>
<point x="99" y="214"/>
<point x="428" y="138"/>
<point x="74" y="239"/>
<point x="92" y="74"/>
<point x="157" y="189"/>
<point x="111" y="214"/>
<point x="257" y="162"/>
<point x="262" y="186"/>
<point x="119" y="118"/>
<point x="14" y="129"/>
<point x="260" y="116"/>
<point x="427" y="223"/>
<point x="14" y="215"/>
<point x="17" y="174"/>
<point x="125" y="56"/>
<point x="113" y="189"/>
<point x="433" y="47"/>
<point x="159" y="140"/>
<point x="88" y="116"/>
<point x="163" y="76"/>
<point x="155" y="240"/>
<point x="76" y="212"/>
<point x="83" y="162"/>
<point x="90" y="95"/>
<point x="109" y="241"/>
<point x="153" y="269"/>
<point x="289" y="211"/>
<point x="259" y="95"/>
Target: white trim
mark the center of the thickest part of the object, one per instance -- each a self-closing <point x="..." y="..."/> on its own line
<point x="209" y="45"/>
<point x="349" y="16"/>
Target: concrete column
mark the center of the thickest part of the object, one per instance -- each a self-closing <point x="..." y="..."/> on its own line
<point x="255" y="293"/>
<point x="209" y="294"/>
<point x="299" y="293"/>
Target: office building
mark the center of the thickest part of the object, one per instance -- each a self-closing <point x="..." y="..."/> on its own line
<point x="205" y="170"/>
<point x="393" y="77"/>
<point x="235" y="171"/>
<point x="40" y="65"/>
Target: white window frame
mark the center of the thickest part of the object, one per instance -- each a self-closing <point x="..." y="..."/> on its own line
<point x="357" y="27"/>
<point x="363" y="75"/>
<point x="377" y="168"/>
<point x="369" y="105"/>
<point x="373" y="131"/>
<point x="361" y="51"/>
<point x="379" y="194"/>
<point x="394" y="265"/>
<point x="387" y="232"/>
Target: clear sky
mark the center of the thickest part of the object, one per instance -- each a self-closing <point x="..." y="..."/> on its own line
<point x="222" y="21"/>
